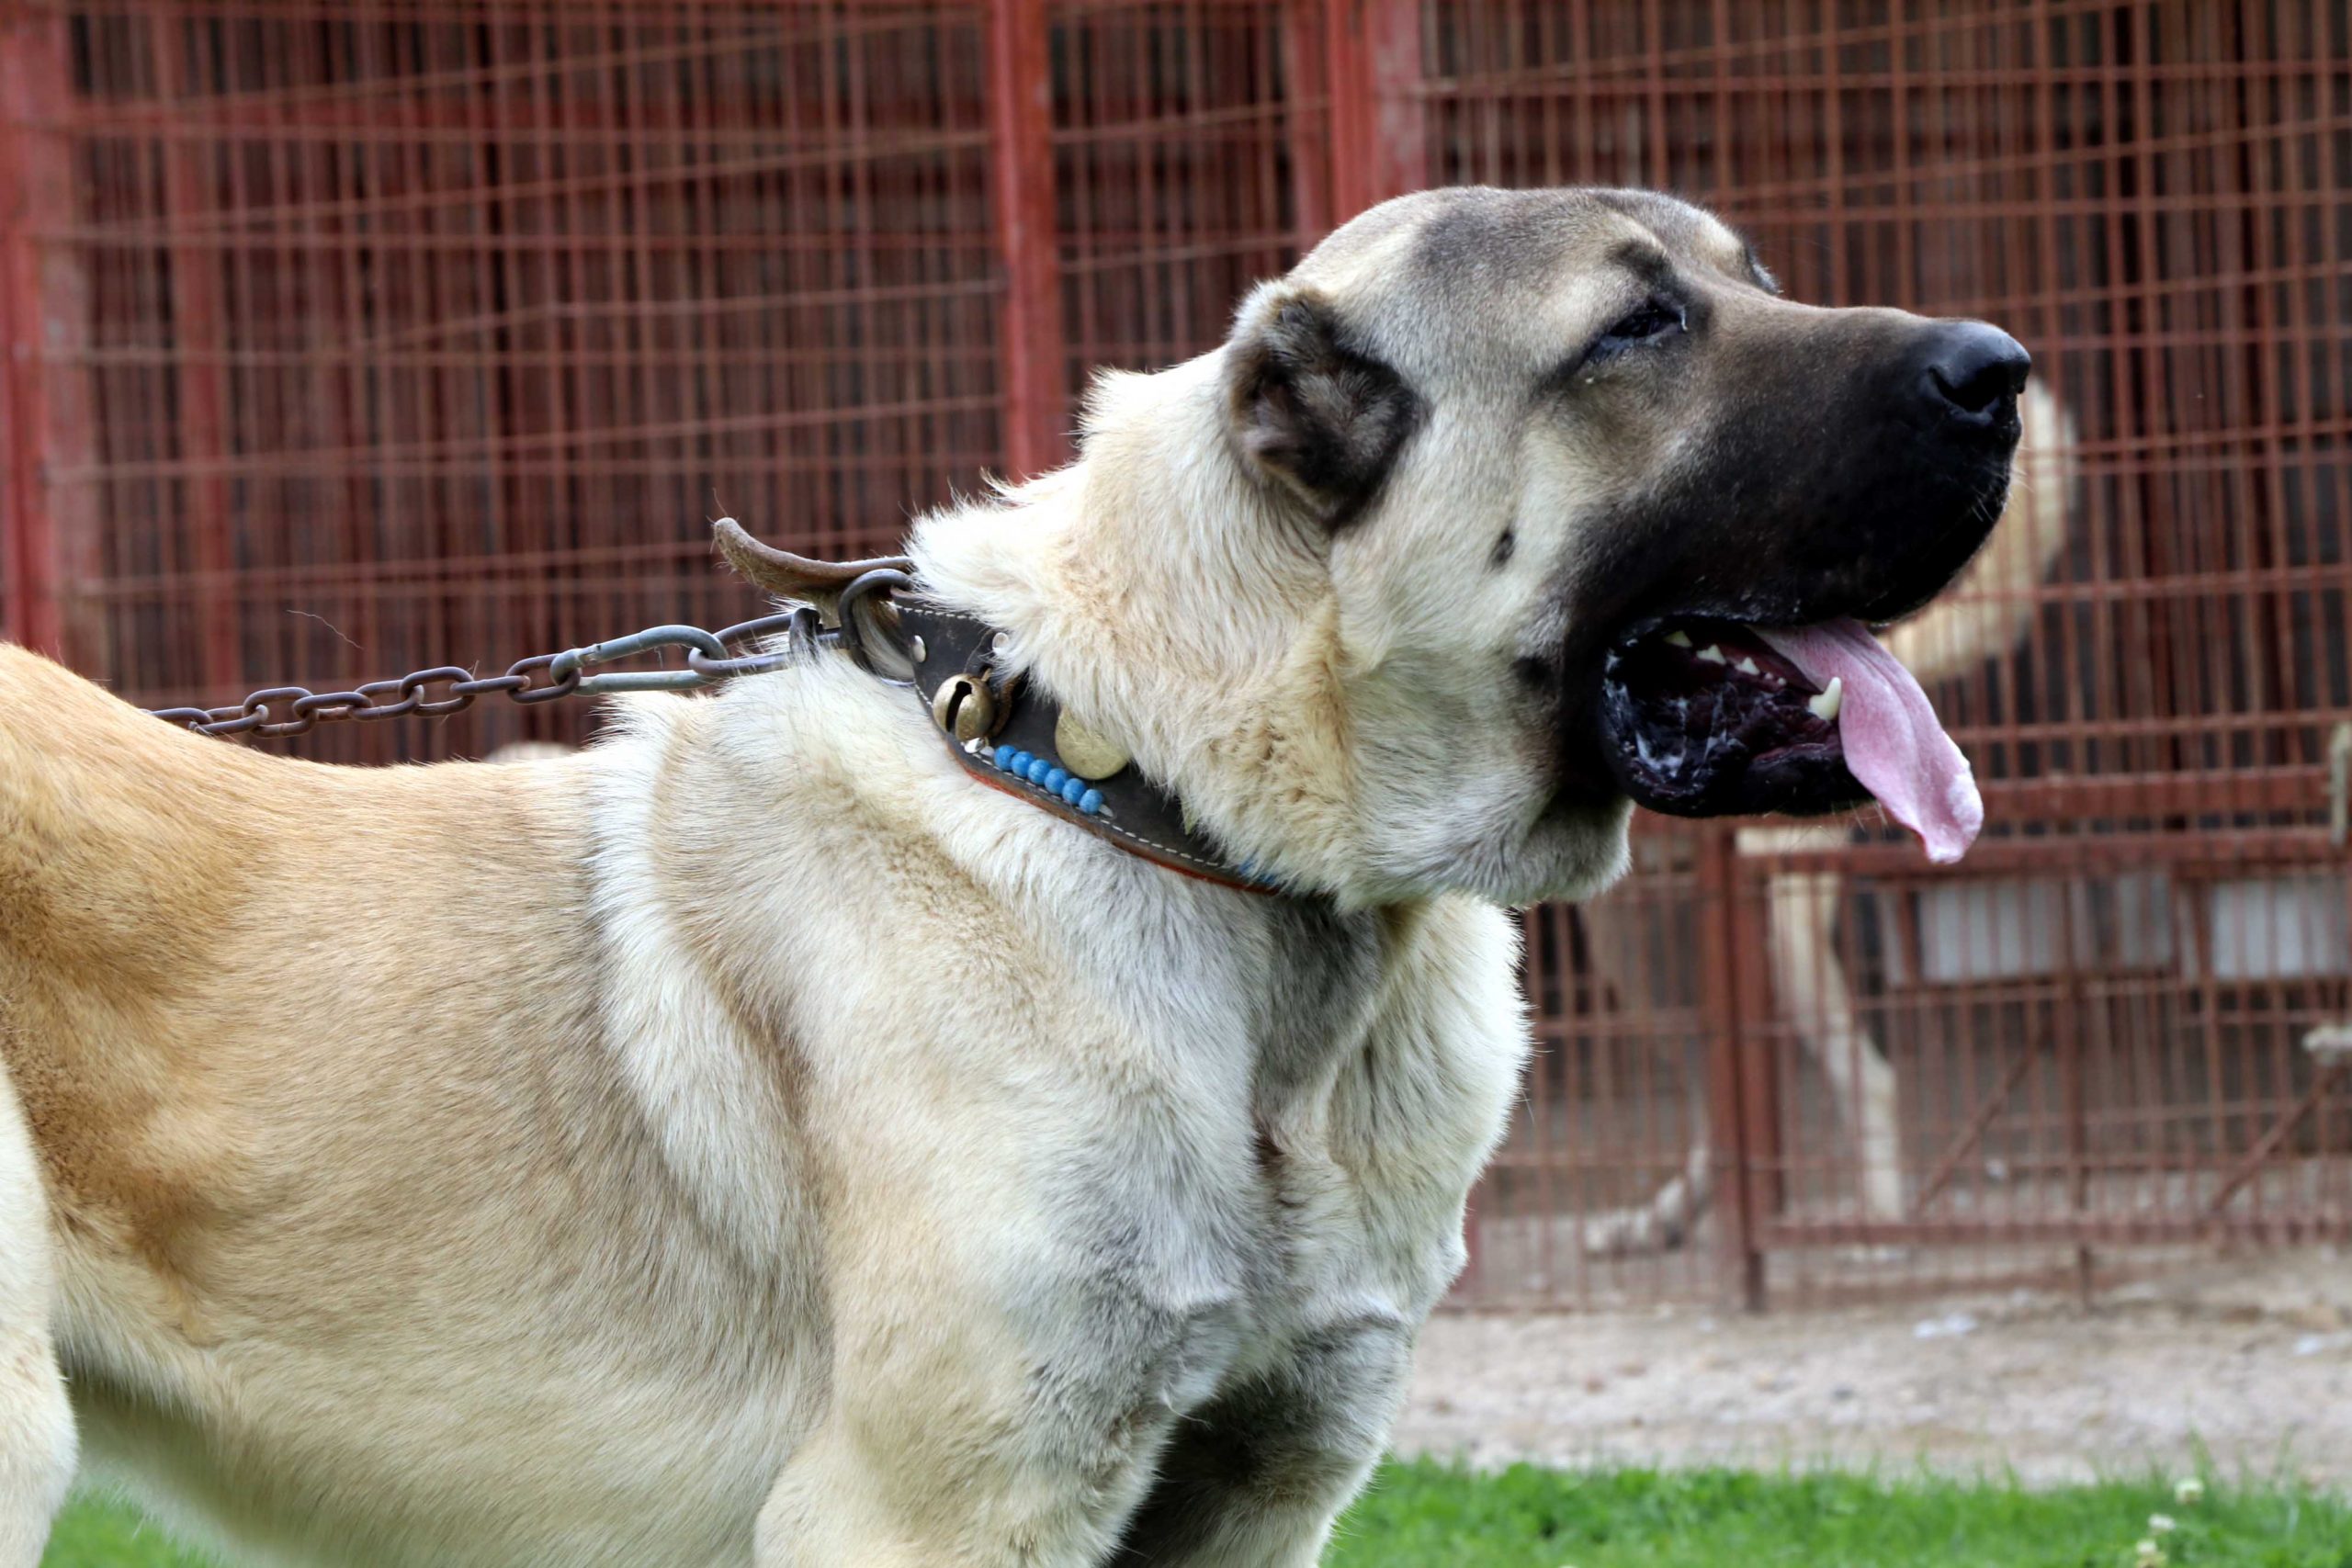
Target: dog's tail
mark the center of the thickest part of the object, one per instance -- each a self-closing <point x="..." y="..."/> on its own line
<point x="1662" y="1224"/>
<point x="1987" y="610"/>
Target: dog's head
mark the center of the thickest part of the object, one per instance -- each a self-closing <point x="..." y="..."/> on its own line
<point x="1552" y="457"/>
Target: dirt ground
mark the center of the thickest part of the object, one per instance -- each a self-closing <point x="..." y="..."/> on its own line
<point x="2247" y="1359"/>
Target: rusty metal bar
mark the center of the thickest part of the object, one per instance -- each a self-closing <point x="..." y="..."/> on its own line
<point x="1741" y="1170"/>
<point x="2072" y="1047"/>
<point x="28" y="575"/>
<point x="199" y="346"/>
<point x="1379" y="132"/>
<point x="1029" y="342"/>
<point x="1307" y="117"/>
<point x="51" y="549"/>
<point x="1988" y="1109"/>
<point x="2274" y="1137"/>
<point x="1763" y="1101"/>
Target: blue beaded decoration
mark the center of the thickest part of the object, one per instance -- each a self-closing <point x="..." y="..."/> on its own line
<point x="1057" y="781"/>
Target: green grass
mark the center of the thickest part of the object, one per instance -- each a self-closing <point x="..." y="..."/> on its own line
<point x="96" y="1533"/>
<point x="1425" y="1514"/>
<point x="1429" y="1515"/>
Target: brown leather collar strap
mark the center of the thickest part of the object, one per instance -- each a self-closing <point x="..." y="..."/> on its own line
<point x="1010" y="734"/>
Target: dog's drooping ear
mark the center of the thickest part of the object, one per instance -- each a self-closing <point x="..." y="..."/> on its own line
<point x="1308" y="411"/>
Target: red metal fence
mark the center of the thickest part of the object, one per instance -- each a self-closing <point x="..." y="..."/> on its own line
<point x="349" y="338"/>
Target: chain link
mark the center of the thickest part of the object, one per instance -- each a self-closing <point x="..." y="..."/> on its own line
<point x="711" y="657"/>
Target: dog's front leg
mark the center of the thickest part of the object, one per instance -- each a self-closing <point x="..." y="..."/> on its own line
<point x="994" y="1452"/>
<point x="1002" y="1385"/>
<point x="1254" y="1479"/>
<point x="37" y="1446"/>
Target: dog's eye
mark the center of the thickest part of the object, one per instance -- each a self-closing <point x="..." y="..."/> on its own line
<point x="1652" y="320"/>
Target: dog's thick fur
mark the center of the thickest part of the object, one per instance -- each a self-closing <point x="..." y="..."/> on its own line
<point x="750" y="1141"/>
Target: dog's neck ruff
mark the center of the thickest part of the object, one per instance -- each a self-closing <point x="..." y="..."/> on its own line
<point x="1012" y="735"/>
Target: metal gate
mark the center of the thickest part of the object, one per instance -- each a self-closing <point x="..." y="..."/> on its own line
<point x="351" y="338"/>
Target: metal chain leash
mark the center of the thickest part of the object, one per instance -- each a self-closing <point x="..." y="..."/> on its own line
<point x="711" y="658"/>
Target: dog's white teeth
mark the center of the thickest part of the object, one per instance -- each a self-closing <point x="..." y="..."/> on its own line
<point x="1677" y="639"/>
<point x="1712" y="654"/>
<point x="1747" y="667"/>
<point x="1827" y="704"/>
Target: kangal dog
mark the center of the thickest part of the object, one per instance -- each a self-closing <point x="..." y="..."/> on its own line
<point x="755" y="1140"/>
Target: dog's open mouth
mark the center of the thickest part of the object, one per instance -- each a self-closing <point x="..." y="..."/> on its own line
<point x="1707" y="718"/>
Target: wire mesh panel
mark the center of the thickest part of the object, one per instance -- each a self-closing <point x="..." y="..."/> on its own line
<point x="2085" y="1042"/>
<point x="1609" y="1164"/>
<point x="423" y="335"/>
<point x="1185" y="160"/>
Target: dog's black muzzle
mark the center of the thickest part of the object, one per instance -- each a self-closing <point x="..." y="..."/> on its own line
<point x="1854" y="461"/>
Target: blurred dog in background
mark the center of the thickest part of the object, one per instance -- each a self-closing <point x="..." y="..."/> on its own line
<point x="1987" y="615"/>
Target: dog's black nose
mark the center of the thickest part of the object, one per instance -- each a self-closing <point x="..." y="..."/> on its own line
<point x="1976" y="372"/>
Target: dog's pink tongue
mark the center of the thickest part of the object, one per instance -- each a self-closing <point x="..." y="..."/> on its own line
<point x="1894" y="745"/>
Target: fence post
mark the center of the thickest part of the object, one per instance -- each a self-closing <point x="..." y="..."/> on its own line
<point x="48" y="539"/>
<point x="200" y="345"/>
<point x="1731" y="1127"/>
<point x="1307" y="88"/>
<point x="1373" y="73"/>
<point x="1029" y="349"/>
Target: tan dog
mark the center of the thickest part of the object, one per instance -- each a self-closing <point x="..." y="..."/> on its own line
<point x="753" y="1141"/>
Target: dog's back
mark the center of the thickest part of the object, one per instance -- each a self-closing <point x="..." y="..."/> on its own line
<point x="251" y="1008"/>
<point x="177" y="916"/>
<point x="159" y="890"/>
<point x="119" y="837"/>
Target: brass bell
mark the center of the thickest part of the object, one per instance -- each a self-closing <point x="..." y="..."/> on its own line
<point x="963" y="707"/>
<point x="1088" y="753"/>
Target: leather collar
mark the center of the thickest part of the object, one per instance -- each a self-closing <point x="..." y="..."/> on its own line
<point x="1011" y="733"/>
